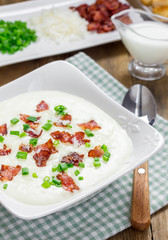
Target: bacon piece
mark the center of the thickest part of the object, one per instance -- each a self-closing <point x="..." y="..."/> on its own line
<point x="33" y="125"/>
<point x="63" y="121"/>
<point x="4" y="151"/>
<point x="62" y="136"/>
<point x="67" y="182"/>
<point x="24" y="148"/>
<point x="32" y="133"/>
<point x="79" y="138"/>
<point x="92" y="125"/>
<point x="42" y="106"/>
<point x="73" y="158"/>
<point x="3" y="129"/>
<point x="7" y="172"/>
<point x="96" y="152"/>
<point x="43" y="152"/>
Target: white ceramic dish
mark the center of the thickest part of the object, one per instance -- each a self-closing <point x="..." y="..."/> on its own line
<point x="63" y="76"/>
<point x="24" y="10"/>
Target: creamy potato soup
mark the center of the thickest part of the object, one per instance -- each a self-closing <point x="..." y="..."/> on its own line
<point x="54" y="145"/>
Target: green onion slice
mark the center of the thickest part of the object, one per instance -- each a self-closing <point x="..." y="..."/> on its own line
<point x="76" y="172"/>
<point x="23" y="134"/>
<point x="25" y="171"/>
<point x="26" y="126"/>
<point x="22" y="155"/>
<point x="106" y="156"/>
<point x="5" y="186"/>
<point x="33" y="141"/>
<point x="47" y="126"/>
<point x="14" y="133"/>
<point x="81" y="164"/>
<point x="87" y="144"/>
<point x="14" y="120"/>
<point x="1" y="138"/>
<point x="32" y="119"/>
<point x="34" y="175"/>
<point x="88" y="132"/>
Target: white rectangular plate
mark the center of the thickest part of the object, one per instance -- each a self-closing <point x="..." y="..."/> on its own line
<point x="25" y="10"/>
<point x="63" y="76"/>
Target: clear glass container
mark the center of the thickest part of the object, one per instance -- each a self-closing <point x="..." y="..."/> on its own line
<point x="145" y="35"/>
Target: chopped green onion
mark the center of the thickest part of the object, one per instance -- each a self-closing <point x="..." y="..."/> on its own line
<point x="26" y="126"/>
<point x="70" y="165"/>
<point x="80" y="178"/>
<point x="69" y="126"/>
<point x="89" y="133"/>
<point x="46" y="185"/>
<point x="47" y="126"/>
<point x="56" y="181"/>
<point x="96" y="159"/>
<point x="14" y="133"/>
<point x="1" y="139"/>
<point x="34" y="175"/>
<point x="25" y="171"/>
<point x="63" y="166"/>
<point x="5" y="186"/>
<point x="54" y="169"/>
<point x="60" y="109"/>
<point x="87" y="144"/>
<point x="49" y="121"/>
<point x="76" y="172"/>
<point x="104" y="147"/>
<point x="56" y="143"/>
<point x="32" y="119"/>
<point x="14" y="120"/>
<point x="23" y="134"/>
<point x="59" y="169"/>
<point x="97" y="164"/>
<point x="33" y="141"/>
<point x="46" y="179"/>
<point x="81" y="164"/>
<point x="22" y="155"/>
<point x="106" y="156"/>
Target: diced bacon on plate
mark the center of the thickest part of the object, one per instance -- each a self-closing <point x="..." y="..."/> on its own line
<point x="96" y="152"/>
<point x="32" y="133"/>
<point x="63" y="121"/>
<point x="67" y="182"/>
<point x="33" y="125"/>
<point x="42" y="106"/>
<point x="43" y="152"/>
<point x="3" y="129"/>
<point x="7" y="173"/>
<point x="24" y="148"/>
<point x="73" y="158"/>
<point x="4" y="151"/>
<point x="62" y="136"/>
<point x="79" y="138"/>
<point x="92" y="125"/>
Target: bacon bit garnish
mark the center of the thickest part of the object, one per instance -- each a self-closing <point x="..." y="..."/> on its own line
<point x="7" y="172"/>
<point x="62" y="136"/>
<point x="96" y="152"/>
<point x="99" y="13"/>
<point x="43" y="152"/>
<point x="66" y="137"/>
<point x="33" y="125"/>
<point x="3" y="129"/>
<point x="24" y="148"/>
<point x="42" y="106"/>
<point x="67" y="182"/>
<point x="4" y="151"/>
<point x="63" y="121"/>
<point x="73" y="158"/>
<point x="79" y="138"/>
<point x="32" y="133"/>
<point x="92" y="125"/>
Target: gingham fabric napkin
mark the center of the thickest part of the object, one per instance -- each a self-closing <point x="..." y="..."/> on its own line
<point x="108" y="212"/>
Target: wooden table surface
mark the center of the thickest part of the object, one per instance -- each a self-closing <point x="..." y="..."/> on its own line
<point x="114" y="58"/>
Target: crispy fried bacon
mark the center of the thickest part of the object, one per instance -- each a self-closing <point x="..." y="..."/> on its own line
<point x="32" y="133"/>
<point x="24" y="148"/>
<point x="33" y="125"/>
<point x="99" y="13"/>
<point x="67" y="182"/>
<point x="4" y="151"/>
<point x="66" y="137"/>
<point x="42" y="106"/>
<point x="63" y="121"/>
<point x="73" y="158"/>
<point x="7" y="172"/>
<point x="3" y="129"/>
<point x="96" y="152"/>
<point x="92" y="125"/>
<point x="43" y="152"/>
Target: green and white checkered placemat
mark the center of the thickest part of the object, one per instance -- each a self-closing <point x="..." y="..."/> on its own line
<point x="108" y="212"/>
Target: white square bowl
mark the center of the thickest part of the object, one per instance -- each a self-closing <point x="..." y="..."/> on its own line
<point x="63" y="76"/>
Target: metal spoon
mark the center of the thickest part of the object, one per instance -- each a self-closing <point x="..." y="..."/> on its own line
<point x="140" y="101"/>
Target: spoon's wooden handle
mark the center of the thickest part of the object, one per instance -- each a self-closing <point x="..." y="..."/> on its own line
<point x="140" y="215"/>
